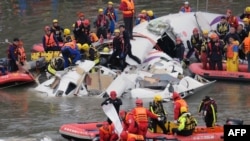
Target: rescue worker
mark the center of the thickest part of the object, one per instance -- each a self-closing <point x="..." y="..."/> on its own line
<point x="128" y="10"/>
<point x="232" y="33"/>
<point x="66" y="33"/>
<point x="12" y="55"/>
<point x="156" y="107"/>
<point x="125" y="136"/>
<point x="142" y="17"/>
<point x="141" y="117"/>
<point x="111" y="13"/>
<point x="246" y="13"/>
<point x="186" y="123"/>
<point x="117" y="102"/>
<point x="246" y="49"/>
<point x="128" y="122"/>
<point x="178" y="103"/>
<point x="107" y="132"/>
<point x="21" y="55"/>
<point x="49" y="40"/>
<point x="203" y="56"/>
<point x="102" y="24"/>
<point x="78" y="25"/>
<point x="70" y="51"/>
<point x="84" y="32"/>
<point x="246" y="22"/>
<point x="242" y="34"/>
<point x="179" y="49"/>
<point x="222" y="28"/>
<point x="186" y="8"/>
<point x="231" y="19"/>
<point x="208" y="110"/>
<point x="150" y="15"/>
<point x="195" y="45"/>
<point x="90" y="52"/>
<point x="57" y="30"/>
<point x="125" y="39"/>
<point x="118" y="50"/>
<point x="232" y="55"/>
<point x="214" y="52"/>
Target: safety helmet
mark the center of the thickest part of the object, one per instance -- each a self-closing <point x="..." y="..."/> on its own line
<point x="110" y="3"/>
<point x="46" y="28"/>
<point x="213" y="36"/>
<point x="195" y="30"/>
<point x="79" y="46"/>
<point x="85" y="47"/>
<point x="143" y="12"/>
<point x="175" y="95"/>
<point x="117" y="31"/>
<point x="138" y="102"/>
<point x="183" y="109"/>
<point x="113" y="94"/>
<point x="186" y="2"/>
<point x="100" y="10"/>
<point x="246" y="20"/>
<point x="247" y="10"/>
<point x="53" y="63"/>
<point x="55" y="21"/>
<point x="66" y="31"/>
<point x="105" y="49"/>
<point x="80" y="14"/>
<point x="158" y="98"/>
<point x="150" y="13"/>
<point x="205" y="32"/>
<point x="86" y="22"/>
<point x="122" y="113"/>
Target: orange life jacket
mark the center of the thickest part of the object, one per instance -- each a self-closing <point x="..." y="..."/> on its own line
<point x="186" y="9"/>
<point x="105" y="131"/>
<point x="111" y="14"/>
<point x="141" y="115"/>
<point x="130" y="6"/>
<point x="70" y="44"/>
<point x="21" y="54"/>
<point x="230" y="52"/>
<point x="246" y="45"/>
<point x="182" y="102"/>
<point x="135" y="137"/>
<point x="93" y="37"/>
<point x="49" y="40"/>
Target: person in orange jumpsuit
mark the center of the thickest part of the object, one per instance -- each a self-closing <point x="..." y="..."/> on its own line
<point x="125" y="136"/>
<point x="141" y="115"/>
<point x="178" y="103"/>
<point x="128" y="122"/>
<point x="107" y="132"/>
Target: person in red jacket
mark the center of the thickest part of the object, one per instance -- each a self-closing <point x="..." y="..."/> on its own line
<point x="141" y="115"/>
<point x="128" y="10"/>
<point x="125" y="136"/>
<point x="178" y="103"/>
<point x="107" y="132"/>
<point x="231" y="19"/>
<point x="128" y="122"/>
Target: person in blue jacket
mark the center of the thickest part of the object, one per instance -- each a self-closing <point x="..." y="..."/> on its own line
<point x="70" y="51"/>
<point x="12" y="55"/>
<point x="111" y="13"/>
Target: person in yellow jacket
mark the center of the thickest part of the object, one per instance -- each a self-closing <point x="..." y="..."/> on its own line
<point x="246" y="49"/>
<point x="186" y="124"/>
<point x="232" y="55"/>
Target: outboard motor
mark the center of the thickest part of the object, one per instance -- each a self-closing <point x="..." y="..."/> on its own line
<point x="233" y="121"/>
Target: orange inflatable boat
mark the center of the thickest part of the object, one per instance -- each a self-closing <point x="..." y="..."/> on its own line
<point x="13" y="77"/>
<point x="89" y="131"/>
<point x="241" y="75"/>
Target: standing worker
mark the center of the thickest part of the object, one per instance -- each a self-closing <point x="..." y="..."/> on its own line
<point x="232" y="55"/>
<point x="203" y="56"/>
<point x="195" y="45"/>
<point x="117" y="102"/>
<point x="49" y="40"/>
<point x="231" y="19"/>
<point x="208" y="110"/>
<point x="111" y="13"/>
<point x="127" y="44"/>
<point x="246" y="48"/>
<point x="21" y="55"/>
<point x="102" y="24"/>
<point x="12" y="55"/>
<point x="186" y="8"/>
<point x="128" y="10"/>
<point x="178" y="103"/>
<point x="57" y="30"/>
<point x="156" y="107"/>
<point x="78" y="25"/>
<point x="222" y="28"/>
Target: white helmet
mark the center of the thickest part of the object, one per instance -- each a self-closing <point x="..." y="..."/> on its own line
<point x="186" y="2"/>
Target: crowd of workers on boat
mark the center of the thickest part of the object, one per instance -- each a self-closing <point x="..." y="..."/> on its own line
<point x="140" y="120"/>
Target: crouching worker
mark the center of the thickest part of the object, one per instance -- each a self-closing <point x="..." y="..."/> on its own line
<point x="186" y="124"/>
<point x="107" y="132"/>
<point x="128" y="122"/>
<point x="125" y="136"/>
<point x="70" y="51"/>
<point x="55" y="65"/>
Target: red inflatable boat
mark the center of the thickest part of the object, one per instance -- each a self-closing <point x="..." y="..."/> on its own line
<point x="14" y="77"/>
<point x="241" y="75"/>
<point x="89" y="131"/>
